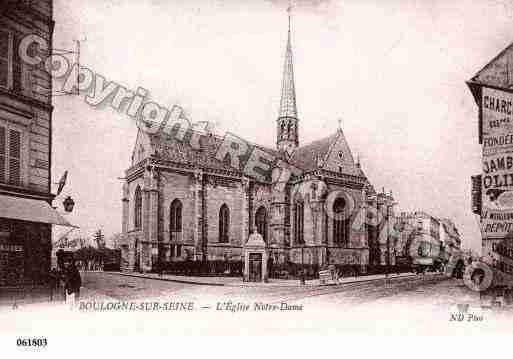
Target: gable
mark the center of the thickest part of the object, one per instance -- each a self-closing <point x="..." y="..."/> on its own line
<point x="499" y="71"/>
<point x="142" y="147"/>
<point x="340" y="156"/>
<point x="310" y="156"/>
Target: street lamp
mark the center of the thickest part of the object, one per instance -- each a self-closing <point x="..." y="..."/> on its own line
<point x="68" y="204"/>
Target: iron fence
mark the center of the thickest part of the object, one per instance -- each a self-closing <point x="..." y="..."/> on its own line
<point x="202" y="268"/>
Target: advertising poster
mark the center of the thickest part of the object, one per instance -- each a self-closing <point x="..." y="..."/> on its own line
<point x="497" y="178"/>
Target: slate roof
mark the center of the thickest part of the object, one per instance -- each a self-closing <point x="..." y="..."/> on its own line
<point x="169" y="148"/>
<point x="312" y="156"/>
<point x="306" y="157"/>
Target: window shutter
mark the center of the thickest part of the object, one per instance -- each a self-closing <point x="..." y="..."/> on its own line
<point x="476" y="194"/>
<point x="14" y="157"/>
<point x="4" y="59"/>
<point x="17" y="68"/>
<point x="3" y="151"/>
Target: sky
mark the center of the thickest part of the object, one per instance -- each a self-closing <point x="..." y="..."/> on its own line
<point x="393" y="72"/>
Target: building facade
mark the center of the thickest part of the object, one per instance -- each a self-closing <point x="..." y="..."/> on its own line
<point x="26" y="214"/>
<point x="492" y="189"/>
<point x="182" y="203"/>
<point x="450" y="236"/>
<point x="426" y="240"/>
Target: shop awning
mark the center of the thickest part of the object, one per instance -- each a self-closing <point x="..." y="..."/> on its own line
<point x="32" y="210"/>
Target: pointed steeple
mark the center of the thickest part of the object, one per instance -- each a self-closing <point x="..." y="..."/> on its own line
<point x="287" y="119"/>
<point x="288" y="91"/>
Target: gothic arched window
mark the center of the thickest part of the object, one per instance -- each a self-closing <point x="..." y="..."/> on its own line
<point x="261" y="222"/>
<point x="340" y="223"/>
<point x="175" y="219"/>
<point x="138" y="208"/>
<point x="224" y="224"/>
<point x="299" y="219"/>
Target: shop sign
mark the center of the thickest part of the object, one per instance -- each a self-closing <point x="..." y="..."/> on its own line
<point x="497" y="174"/>
<point x="11" y="248"/>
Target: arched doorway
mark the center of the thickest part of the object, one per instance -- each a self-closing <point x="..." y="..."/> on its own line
<point x="261" y="222"/>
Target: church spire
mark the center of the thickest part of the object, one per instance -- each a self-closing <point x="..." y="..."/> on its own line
<point x="287" y="119"/>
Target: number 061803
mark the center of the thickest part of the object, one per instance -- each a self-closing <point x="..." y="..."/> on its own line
<point x="31" y="342"/>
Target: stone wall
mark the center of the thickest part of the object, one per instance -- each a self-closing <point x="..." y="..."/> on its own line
<point x="177" y="186"/>
<point x="229" y="193"/>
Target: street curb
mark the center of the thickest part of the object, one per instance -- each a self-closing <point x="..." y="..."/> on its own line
<point x="208" y="283"/>
<point x="165" y="279"/>
<point x="249" y="285"/>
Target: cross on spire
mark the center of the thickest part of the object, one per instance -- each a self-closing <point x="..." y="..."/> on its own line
<point x="289" y="11"/>
<point x="288" y="91"/>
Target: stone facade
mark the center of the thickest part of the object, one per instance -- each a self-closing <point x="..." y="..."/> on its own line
<point x="450" y="236"/>
<point x="203" y="190"/>
<point x="25" y="140"/>
<point x="220" y="205"/>
<point x="426" y="238"/>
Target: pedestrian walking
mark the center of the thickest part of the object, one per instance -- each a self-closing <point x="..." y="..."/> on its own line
<point x="160" y="267"/>
<point x="72" y="282"/>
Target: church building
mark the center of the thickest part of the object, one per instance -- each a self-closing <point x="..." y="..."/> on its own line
<point x="183" y="204"/>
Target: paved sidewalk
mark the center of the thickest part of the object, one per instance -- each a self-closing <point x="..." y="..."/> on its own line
<point x="237" y="281"/>
<point x="18" y="298"/>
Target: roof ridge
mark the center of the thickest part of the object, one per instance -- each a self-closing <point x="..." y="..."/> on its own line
<point x="502" y="52"/>
<point x="168" y="137"/>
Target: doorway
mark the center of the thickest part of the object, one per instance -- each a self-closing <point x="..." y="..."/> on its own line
<point x="255" y="267"/>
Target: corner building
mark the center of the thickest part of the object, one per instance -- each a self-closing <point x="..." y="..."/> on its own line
<point x="26" y="109"/>
<point x="181" y="203"/>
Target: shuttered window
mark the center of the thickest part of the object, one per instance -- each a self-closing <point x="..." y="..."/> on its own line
<point x="4" y="59"/>
<point x="17" y="85"/>
<point x="3" y="154"/>
<point x="14" y="157"/>
<point x="11" y="68"/>
<point x="10" y="156"/>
